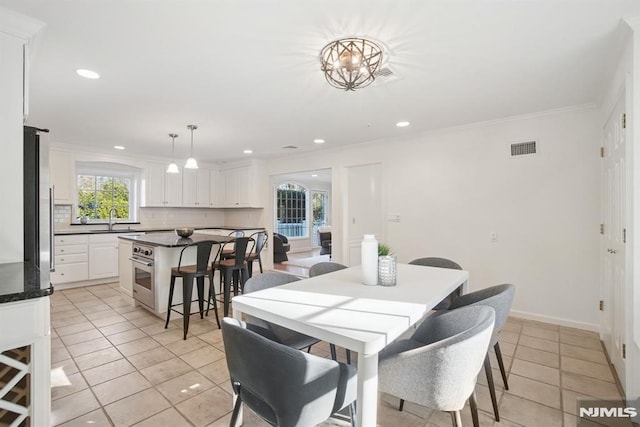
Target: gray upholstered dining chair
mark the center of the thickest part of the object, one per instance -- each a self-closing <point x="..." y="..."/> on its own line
<point x="500" y="298"/>
<point x="269" y="330"/>
<point x="438" y="366"/>
<point x="284" y="386"/>
<point x="440" y="263"/>
<point x="324" y="268"/>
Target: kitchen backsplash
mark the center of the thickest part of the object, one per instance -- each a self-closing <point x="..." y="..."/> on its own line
<point x="175" y="217"/>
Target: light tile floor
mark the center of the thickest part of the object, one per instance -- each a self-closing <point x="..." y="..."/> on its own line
<point x="115" y="364"/>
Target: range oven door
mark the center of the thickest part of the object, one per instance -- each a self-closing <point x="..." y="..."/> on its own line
<point x="143" y="290"/>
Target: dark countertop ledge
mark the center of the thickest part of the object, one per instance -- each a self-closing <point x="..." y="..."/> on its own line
<point x="143" y="230"/>
<point x="20" y="281"/>
<point x="171" y="240"/>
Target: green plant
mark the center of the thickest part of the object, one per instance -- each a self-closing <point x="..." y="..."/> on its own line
<point x="383" y="249"/>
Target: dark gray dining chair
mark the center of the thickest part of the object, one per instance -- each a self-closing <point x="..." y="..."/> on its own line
<point x="324" y="268"/>
<point x="284" y="386"/>
<point x="270" y="330"/>
<point x="438" y="366"/>
<point x="440" y="263"/>
<point x="500" y="298"/>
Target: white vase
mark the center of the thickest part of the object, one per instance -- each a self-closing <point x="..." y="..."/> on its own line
<point x="369" y="252"/>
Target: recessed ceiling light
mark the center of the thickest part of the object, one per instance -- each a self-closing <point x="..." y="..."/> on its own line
<point x="87" y="73"/>
<point x="402" y="124"/>
<point x="118" y="147"/>
<point x="315" y="175"/>
<point x="319" y="141"/>
<point x="248" y="151"/>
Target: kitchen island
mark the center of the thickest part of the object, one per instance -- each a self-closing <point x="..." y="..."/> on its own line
<point x="25" y="344"/>
<point x="146" y="262"/>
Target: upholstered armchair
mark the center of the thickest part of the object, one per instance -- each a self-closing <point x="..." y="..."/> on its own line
<point x="280" y="248"/>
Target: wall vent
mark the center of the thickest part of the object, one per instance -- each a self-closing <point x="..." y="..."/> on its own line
<point x="289" y="147"/>
<point x="522" y="148"/>
<point x="383" y="72"/>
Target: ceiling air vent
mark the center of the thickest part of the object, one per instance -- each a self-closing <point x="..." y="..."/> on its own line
<point x="522" y="148"/>
<point x="383" y="72"/>
<point x="289" y="147"/>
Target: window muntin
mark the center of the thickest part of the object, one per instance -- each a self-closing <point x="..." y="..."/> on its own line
<point x="291" y="216"/>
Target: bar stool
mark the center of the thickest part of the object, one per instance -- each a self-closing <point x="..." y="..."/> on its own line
<point x="233" y="271"/>
<point x="261" y="239"/>
<point x="227" y="251"/>
<point x="199" y="271"/>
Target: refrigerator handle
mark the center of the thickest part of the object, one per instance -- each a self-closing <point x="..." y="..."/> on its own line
<point x="52" y="245"/>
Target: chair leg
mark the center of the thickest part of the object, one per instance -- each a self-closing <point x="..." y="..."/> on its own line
<point x="260" y="263"/>
<point x="492" y="387"/>
<point x="187" y="290"/>
<point x="501" y="364"/>
<point x="348" y="357"/>
<point x="401" y="405"/>
<point x="353" y="413"/>
<point x="200" y="285"/>
<point x="212" y="294"/>
<point x="244" y="276"/>
<point x="334" y="356"/>
<point x="250" y="268"/>
<point x="171" y="286"/>
<point x="455" y="419"/>
<point x="236" y="411"/>
<point x="227" y="290"/>
<point x="474" y="409"/>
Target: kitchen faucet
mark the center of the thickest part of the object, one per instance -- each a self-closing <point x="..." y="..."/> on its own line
<point x="112" y="211"/>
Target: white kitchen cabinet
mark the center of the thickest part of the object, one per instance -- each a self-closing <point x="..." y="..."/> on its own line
<point x="216" y="188"/>
<point x="103" y="256"/>
<point x="62" y="176"/>
<point x="162" y="189"/>
<point x="195" y="188"/>
<point x="125" y="267"/>
<point x="71" y="259"/>
<point x="242" y="184"/>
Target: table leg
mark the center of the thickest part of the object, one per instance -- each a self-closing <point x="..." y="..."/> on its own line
<point x="237" y="314"/>
<point x="367" y="389"/>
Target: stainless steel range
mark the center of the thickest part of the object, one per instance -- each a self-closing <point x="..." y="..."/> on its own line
<point x="143" y="280"/>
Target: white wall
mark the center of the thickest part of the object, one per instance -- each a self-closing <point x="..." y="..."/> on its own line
<point x="453" y="187"/>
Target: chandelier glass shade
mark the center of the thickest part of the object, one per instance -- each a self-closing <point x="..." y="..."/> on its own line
<point x="350" y="63"/>
<point x="191" y="161"/>
<point x="173" y="167"/>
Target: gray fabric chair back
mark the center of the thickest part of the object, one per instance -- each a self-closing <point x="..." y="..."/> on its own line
<point x="282" y="385"/>
<point x="438" y="366"/>
<point x="436" y="262"/>
<point x="498" y="297"/>
<point x="324" y="268"/>
<point x="268" y="280"/>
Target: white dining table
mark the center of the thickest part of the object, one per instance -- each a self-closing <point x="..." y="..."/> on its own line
<point x="337" y="308"/>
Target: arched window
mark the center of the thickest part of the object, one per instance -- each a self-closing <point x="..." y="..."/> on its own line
<point x="291" y="210"/>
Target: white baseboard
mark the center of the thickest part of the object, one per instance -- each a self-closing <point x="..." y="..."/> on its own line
<point x="555" y="320"/>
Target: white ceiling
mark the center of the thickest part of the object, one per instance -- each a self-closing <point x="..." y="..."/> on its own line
<point x="247" y="71"/>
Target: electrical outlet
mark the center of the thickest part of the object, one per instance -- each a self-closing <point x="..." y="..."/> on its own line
<point x="393" y="217"/>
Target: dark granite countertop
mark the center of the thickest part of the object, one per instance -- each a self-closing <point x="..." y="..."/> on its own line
<point x="21" y="281"/>
<point x="170" y="240"/>
<point x="96" y="229"/>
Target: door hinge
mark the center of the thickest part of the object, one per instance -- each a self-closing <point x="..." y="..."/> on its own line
<point x="601" y="305"/>
<point x="624" y="120"/>
<point x="601" y="228"/>
<point x="601" y="151"/>
<point x="624" y="351"/>
<point x="624" y="235"/>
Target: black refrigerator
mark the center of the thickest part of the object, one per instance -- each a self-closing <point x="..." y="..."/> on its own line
<point x="38" y="203"/>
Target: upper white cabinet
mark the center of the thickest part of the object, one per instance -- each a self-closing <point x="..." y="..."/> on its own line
<point x="215" y="187"/>
<point x="161" y="188"/>
<point x="241" y="185"/>
<point x="195" y="188"/>
<point x="61" y="172"/>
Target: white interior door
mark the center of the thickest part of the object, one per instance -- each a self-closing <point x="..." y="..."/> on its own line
<point x="614" y="197"/>
<point x="364" y="207"/>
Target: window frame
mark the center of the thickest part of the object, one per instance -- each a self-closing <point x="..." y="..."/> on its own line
<point x="305" y="224"/>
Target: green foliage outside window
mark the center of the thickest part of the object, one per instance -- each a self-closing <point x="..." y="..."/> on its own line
<point x="98" y="194"/>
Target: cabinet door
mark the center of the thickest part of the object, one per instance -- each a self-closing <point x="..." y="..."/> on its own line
<point x="103" y="260"/>
<point x="189" y="187"/>
<point x="125" y="266"/>
<point x="202" y="188"/>
<point x="238" y="186"/>
<point x="61" y="172"/>
<point x="154" y="184"/>
<point x="214" y="189"/>
<point x="173" y="189"/>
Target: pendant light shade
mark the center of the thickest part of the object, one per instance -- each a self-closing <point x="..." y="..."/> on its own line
<point x="191" y="161"/>
<point x="173" y="168"/>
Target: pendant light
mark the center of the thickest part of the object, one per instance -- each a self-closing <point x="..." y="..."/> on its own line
<point x="191" y="162"/>
<point x="173" y="168"/>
